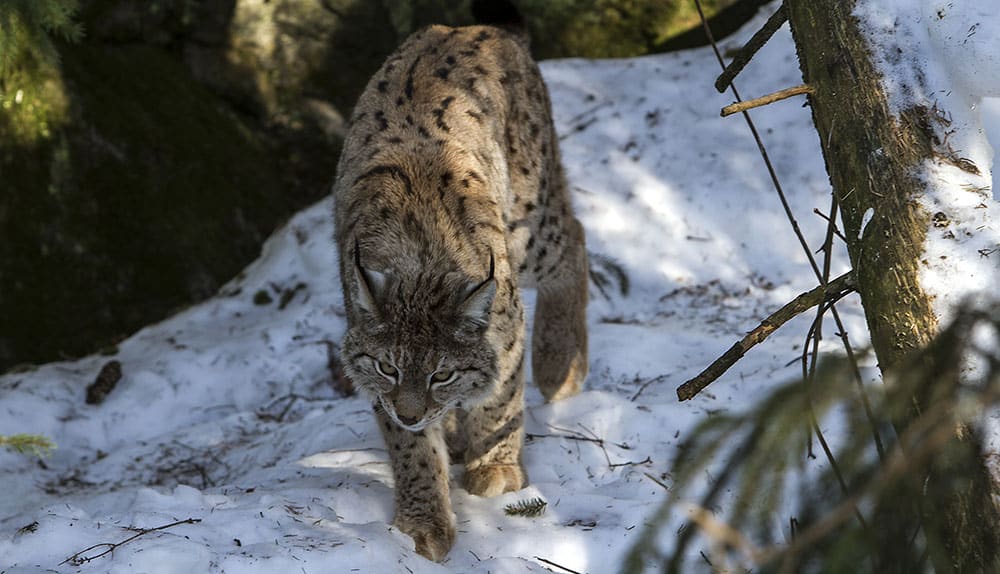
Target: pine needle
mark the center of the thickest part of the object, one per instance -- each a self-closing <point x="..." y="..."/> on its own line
<point x="530" y="508"/>
<point x="36" y="445"/>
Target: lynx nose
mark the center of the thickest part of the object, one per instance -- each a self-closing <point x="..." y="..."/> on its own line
<point x="408" y="421"/>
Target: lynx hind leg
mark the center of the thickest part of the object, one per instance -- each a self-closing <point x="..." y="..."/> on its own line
<point x="559" y="341"/>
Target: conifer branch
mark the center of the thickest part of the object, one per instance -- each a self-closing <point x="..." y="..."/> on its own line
<point x="529" y="508"/>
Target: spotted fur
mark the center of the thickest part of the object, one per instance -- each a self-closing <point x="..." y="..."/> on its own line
<point x="449" y="198"/>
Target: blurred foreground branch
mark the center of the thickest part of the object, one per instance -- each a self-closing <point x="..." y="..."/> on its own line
<point x="756" y="463"/>
<point x="25" y="29"/>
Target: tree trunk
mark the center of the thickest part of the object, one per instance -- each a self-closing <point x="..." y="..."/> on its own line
<point x="872" y="157"/>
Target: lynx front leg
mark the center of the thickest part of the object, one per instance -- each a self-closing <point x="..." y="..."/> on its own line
<point x="420" y="468"/>
<point x="495" y="433"/>
<point x="559" y="340"/>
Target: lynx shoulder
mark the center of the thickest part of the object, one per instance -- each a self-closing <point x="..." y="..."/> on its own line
<point x="449" y="197"/>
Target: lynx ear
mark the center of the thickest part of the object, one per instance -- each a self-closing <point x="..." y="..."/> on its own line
<point x="368" y="284"/>
<point x="479" y="301"/>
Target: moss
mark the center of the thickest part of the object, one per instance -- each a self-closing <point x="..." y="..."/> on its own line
<point x="150" y="197"/>
<point x="608" y="28"/>
<point x="32" y="103"/>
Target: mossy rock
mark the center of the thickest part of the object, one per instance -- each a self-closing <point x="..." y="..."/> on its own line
<point x="146" y="194"/>
<point x="608" y="28"/>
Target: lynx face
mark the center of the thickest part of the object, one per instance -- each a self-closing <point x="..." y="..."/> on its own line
<point x="420" y="360"/>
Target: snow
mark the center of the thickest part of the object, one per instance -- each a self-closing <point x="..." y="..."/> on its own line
<point x="990" y="108"/>
<point x="225" y="413"/>
<point x="944" y="56"/>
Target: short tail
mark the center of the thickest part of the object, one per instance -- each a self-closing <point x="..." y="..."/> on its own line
<point x="500" y="13"/>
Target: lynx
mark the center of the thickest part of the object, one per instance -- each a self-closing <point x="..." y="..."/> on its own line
<point x="449" y="198"/>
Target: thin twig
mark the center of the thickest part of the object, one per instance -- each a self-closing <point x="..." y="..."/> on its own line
<point x="646" y="384"/>
<point x="856" y="370"/>
<point x="861" y="384"/>
<point x="828" y="256"/>
<point x="752" y="46"/>
<point x="816" y="334"/>
<point x="760" y="146"/>
<point x="802" y="303"/>
<point x="77" y="559"/>
<point x="599" y="442"/>
<point x="577" y="435"/>
<point x="647" y="460"/>
<point x="811" y="342"/>
<point x="765" y="100"/>
<point x="809" y="378"/>
<point x="836" y="231"/>
<point x="532" y="436"/>
<point x="657" y="481"/>
<point x="551" y="563"/>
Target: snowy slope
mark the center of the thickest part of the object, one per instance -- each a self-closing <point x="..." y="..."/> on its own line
<point x="226" y="414"/>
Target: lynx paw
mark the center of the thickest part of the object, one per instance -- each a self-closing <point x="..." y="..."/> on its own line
<point x="433" y="539"/>
<point x="494" y="479"/>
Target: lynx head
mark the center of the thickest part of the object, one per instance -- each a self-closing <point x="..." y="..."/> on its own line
<point x="417" y="340"/>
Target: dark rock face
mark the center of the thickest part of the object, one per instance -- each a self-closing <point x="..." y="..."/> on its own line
<point x="149" y="195"/>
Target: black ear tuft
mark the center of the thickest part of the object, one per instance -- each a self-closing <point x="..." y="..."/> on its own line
<point x="479" y="301"/>
<point x="369" y="284"/>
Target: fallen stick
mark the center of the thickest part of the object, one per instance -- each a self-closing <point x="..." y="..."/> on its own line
<point x="800" y="304"/>
<point x="79" y="559"/>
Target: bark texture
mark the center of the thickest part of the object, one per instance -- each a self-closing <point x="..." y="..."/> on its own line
<point x="872" y="157"/>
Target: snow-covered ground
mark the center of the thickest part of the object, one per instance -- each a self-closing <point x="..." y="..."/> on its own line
<point x="225" y="413"/>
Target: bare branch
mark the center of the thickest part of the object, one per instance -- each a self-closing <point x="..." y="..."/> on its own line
<point x="765" y="100"/>
<point x="748" y="50"/>
<point x="802" y="303"/>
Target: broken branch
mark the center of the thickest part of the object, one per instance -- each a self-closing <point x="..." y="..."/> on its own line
<point x="800" y="304"/>
<point x="765" y="100"/>
<point x="748" y="50"/>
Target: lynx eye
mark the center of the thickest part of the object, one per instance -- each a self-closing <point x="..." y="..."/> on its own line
<point x="387" y="370"/>
<point x="442" y="376"/>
